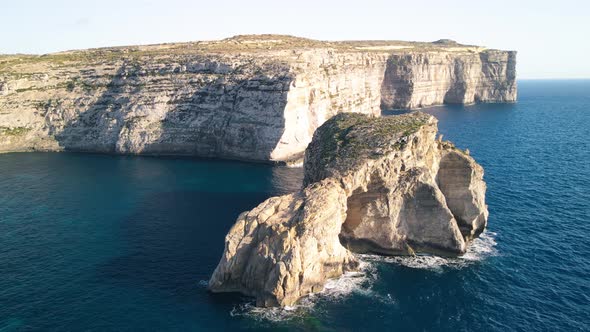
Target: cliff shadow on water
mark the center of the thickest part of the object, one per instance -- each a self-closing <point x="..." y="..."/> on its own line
<point x="205" y="108"/>
<point x="164" y="238"/>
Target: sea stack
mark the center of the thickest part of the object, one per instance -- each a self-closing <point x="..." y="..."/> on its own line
<point x="257" y="98"/>
<point x="382" y="185"/>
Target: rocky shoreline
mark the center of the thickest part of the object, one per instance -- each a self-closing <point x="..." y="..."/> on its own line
<point x="380" y="185"/>
<point x="372" y="185"/>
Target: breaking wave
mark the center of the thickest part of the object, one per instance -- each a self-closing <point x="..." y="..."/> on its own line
<point x="480" y="248"/>
<point x="358" y="282"/>
<point x="361" y="282"/>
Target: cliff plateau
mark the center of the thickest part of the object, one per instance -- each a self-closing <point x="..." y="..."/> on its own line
<point x="372" y="185"/>
<point x="248" y="97"/>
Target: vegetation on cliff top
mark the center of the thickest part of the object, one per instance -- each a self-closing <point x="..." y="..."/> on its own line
<point x="348" y="138"/>
<point x="16" y="131"/>
<point x="233" y="45"/>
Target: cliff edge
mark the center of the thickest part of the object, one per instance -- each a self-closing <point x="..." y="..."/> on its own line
<point x="248" y="97"/>
<point x="372" y="185"/>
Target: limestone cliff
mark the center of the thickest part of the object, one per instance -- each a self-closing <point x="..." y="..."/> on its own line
<point x="248" y="97"/>
<point x="286" y="247"/>
<point x="372" y="185"/>
<point x="424" y="79"/>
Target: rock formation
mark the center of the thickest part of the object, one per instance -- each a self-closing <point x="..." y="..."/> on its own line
<point x="248" y="97"/>
<point x="286" y="247"/>
<point x="372" y="185"/>
<point x="423" y="79"/>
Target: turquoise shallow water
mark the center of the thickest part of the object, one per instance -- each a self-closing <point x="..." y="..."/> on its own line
<point x="95" y="242"/>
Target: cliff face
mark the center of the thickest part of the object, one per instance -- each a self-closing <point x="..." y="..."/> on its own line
<point x="406" y="192"/>
<point x="423" y="79"/>
<point x="250" y="97"/>
<point x="286" y="247"/>
<point x="372" y="185"/>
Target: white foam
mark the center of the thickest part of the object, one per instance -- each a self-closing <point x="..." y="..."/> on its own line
<point x="358" y="282"/>
<point x="480" y="248"/>
<point x="295" y="165"/>
<point x="264" y="314"/>
<point x="361" y="282"/>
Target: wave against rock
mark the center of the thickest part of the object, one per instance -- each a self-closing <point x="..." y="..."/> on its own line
<point x="248" y="97"/>
<point x="372" y="185"/>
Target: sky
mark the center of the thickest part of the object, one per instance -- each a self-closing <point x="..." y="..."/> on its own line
<point x="552" y="37"/>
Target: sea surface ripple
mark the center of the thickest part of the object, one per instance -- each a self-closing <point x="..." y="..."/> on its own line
<point x="115" y="243"/>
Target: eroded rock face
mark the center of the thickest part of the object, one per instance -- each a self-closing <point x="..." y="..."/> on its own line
<point x="422" y="79"/>
<point x="249" y="97"/>
<point x="286" y="247"/>
<point x="460" y="179"/>
<point x="372" y="185"/>
<point x="407" y="218"/>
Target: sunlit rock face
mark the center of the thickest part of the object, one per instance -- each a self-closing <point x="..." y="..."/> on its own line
<point x="372" y="185"/>
<point x="424" y="79"/>
<point x="249" y="97"/>
<point x="286" y="247"/>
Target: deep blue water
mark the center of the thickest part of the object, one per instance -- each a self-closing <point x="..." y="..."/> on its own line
<point x="95" y="242"/>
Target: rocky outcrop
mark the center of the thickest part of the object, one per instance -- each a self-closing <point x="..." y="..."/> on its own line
<point x="286" y="247"/>
<point x="248" y="97"/>
<point x="372" y="185"/>
<point x="460" y="180"/>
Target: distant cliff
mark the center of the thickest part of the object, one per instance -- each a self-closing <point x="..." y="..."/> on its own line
<point x="248" y="97"/>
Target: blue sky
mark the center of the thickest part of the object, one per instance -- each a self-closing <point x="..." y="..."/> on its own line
<point x="552" y="37"/>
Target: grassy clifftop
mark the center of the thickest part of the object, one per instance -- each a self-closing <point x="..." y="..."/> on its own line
<point x="234" y="45"/>
<point x="349" y="139"/>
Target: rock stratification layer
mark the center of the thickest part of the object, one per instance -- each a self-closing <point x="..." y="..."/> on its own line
<point x="286" y="247"/>
<point x="372" y="185"/>
<point x="248" y="97"/>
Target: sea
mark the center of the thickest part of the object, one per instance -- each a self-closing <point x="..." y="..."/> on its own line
<point x="94" y="242"/>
